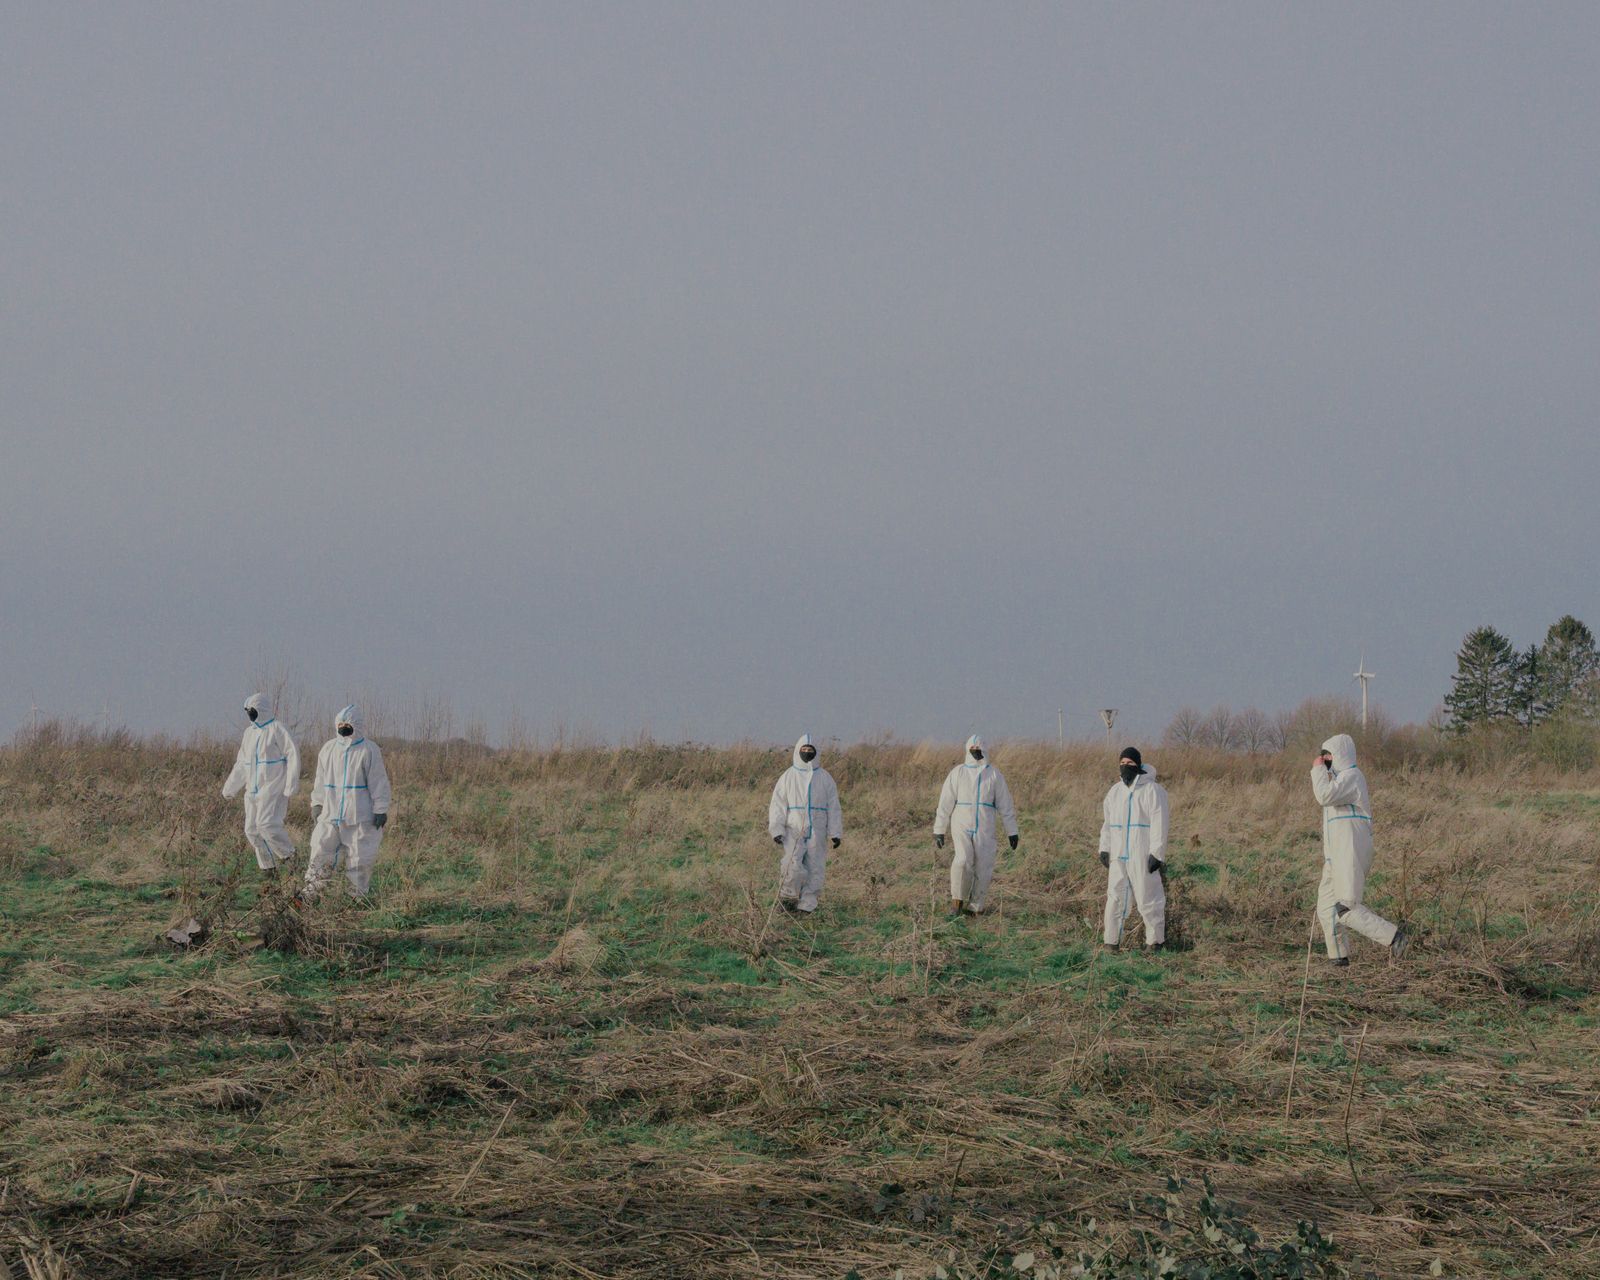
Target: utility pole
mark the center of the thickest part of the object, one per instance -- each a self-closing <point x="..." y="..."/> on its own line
<point x="1061" y="728"/>
<point x="1109" y="715"/>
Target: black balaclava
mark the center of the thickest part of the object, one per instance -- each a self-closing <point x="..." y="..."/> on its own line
<point x="347" y="731"/>
<point x="251" y="712"/>
<point x="1130" y="771"/>
<point x="808" y="753"/>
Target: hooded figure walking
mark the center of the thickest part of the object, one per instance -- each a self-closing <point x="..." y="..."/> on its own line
<point x="350" y="803"/>
<point x="267" y="770"/>
<point x="804" y="818"/>
<point x="1133" y="848"/>
<point x="972" y="802"/>
<point x="1341" y="789"/>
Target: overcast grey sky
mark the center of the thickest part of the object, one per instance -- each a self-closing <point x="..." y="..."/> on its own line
<point x="726" y="370"/>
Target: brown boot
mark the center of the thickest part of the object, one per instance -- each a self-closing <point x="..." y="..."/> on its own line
<point x="955" y="909"/>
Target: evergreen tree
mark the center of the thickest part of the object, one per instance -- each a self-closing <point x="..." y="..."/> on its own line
<point x="1528" y="703"/>
<point x="1484" y="690"/>
<point x="1569" y="663"/>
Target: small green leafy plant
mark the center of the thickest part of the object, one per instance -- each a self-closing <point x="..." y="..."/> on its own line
<point x="1211" y="1242"/>
<point x="1165" y="1241"/>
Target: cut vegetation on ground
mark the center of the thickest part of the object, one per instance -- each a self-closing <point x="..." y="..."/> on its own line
<point x="572" y="1037"/>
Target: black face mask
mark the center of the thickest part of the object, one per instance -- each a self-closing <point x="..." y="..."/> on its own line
<point x="346" y="730"/>
<point x="1129" y="772"/>
<point x="807" y="754"/>
<point x="251" y="712"/>
<point x="976" y="754"/>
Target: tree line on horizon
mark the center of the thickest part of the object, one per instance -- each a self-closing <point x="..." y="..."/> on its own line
<point x="1256" y="732"/>
<point x="1552" y="687"/>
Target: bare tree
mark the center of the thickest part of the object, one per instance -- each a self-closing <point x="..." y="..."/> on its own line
<point x="1253" y="731"/>
<point x="1219" y="729"/>
<point x="1184" y="728"/>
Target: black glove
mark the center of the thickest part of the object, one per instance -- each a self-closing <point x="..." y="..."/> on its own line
<point x="938" y="842"/>
<point x="777" y="839"/>
<point x="1105" y="859"/>
<point x="379" y="819"/>
<point x="1013" y="840"/>
<point x="1155" y="866"/>
<point x="835" y="842"/>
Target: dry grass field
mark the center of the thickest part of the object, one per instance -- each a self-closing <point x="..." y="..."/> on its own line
<point x="570" y="1037"/>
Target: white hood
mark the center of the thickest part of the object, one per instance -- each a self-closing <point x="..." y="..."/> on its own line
<point x="262" y="705"/>
<point x="805" y="741"/>
<point x="966" y="756"/>
<point x="1343" y="749"/>
<point x="350" y="715"/>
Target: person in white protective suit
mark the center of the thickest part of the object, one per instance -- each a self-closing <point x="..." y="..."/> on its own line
<point x="350" y="802"/>
<point x="1133" y="848"/>
<point x="974" y="796"/>
<point x="267" y="770"/>
<point x="1341" y="790"/>
<point x="804" y="818"/>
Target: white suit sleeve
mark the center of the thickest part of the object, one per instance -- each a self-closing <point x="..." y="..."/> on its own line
<point x="1158" y="825"/>
<point x="377" y="781"/>
<point x="947" y="804"/>
<point x="1334" y="788"/>
<point x="777" y="811"/>
<point x="235" y="780"/>
<point x="1105" y="825"/>
<point x="835" y="814"/>
<point x="291" y="767"/>
<point x="319" y="781"/>
<point x="1003" y="801"/>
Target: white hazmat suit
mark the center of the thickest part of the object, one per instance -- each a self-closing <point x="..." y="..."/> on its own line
<point x="267" y="770"/>
<point x="1133" y="830"/>
<point x="1346" y="850"/>
<point x="974" y="795"/>
<point x="804" y="813"/>
<point x="352" y="788"/>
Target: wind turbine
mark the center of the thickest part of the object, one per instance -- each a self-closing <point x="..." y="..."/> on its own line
<point x="1365" y="677"/>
